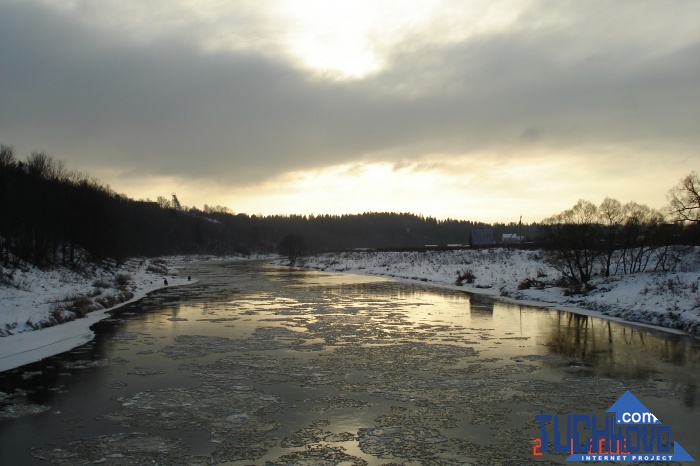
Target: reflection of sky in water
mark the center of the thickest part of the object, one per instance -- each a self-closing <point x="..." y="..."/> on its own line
<point x="504" y="330"/>
<point x="345" y="362"/>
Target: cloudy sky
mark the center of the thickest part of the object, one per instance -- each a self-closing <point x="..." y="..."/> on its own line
<point x="481" y="110"/>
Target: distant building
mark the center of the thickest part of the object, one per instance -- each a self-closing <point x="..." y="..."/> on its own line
<point x="512" y="238"/>
<point x="480" y="237"/>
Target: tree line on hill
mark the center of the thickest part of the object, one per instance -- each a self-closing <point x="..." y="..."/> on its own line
<point x="52" y="215"/>
<point x="616" y="238"/>
<point x="48" y="214"/>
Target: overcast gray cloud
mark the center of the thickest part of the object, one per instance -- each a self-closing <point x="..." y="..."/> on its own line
<point x="566" y="75"/>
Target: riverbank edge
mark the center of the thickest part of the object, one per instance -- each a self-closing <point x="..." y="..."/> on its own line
<point x="33" y="346"/>
<point x="554" y="306"/>
<point x="495" y="294"/>
<point x="29" y="347"/>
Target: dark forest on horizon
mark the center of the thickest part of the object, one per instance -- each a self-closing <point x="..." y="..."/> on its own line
<point x="48" y="213"/>
<point x="52" y="215"/>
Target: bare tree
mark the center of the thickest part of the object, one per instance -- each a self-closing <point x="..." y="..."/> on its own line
<point x="292" y="246"/>
<point x="163" y="202"/>
<point x="611" y="217"/>
<point x="7" y="156"/>
<point x="684" y="199"/>
<point x="639" y="230"/>
<point x="610" y="239"/>
<point x="39" y="165"/>
<point x="573" y="235"/>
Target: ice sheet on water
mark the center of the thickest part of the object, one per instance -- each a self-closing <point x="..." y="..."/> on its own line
<point x="224" y="410"/>
<point x="319" y="455"/>
<point x="402" y="442"/>
<point x="410" y="355"/>
<point x="16" y="410"/>
<point x="87" y="364"/>
<point x="191" y="346"/>
<point x="124" y="336"/>
<point x="116" y="449"/>
<point x="316" y="435"/>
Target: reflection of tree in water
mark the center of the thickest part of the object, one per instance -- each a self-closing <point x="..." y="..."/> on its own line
<point x="481" y="305"/>
<point x="611" y="349"/>
<point x="573" y="336"/>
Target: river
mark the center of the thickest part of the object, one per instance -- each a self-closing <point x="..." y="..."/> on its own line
<point x="258" y="364"/>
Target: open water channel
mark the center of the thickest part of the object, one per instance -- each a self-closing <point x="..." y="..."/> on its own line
<point x="257" y="364"/>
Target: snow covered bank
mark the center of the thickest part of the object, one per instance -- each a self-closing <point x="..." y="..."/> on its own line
<point x="667" y="299"/>
<point x="32" y="300"/>
<point x="40" y="310"/>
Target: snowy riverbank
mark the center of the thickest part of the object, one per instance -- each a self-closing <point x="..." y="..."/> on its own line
<point x="40" y="310"/>
<point x="666" y="299"/>
<point x="30" y="297"/>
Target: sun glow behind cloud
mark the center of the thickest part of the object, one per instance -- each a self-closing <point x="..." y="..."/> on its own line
<point x="338" y="40"/>
<point x="443" y="188"/>
<point x="488" y="188"/>
<point x="351" y="39"/>
<point x="479" y="110"/>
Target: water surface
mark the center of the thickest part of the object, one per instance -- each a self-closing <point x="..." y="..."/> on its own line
<point x="257" y="364"/>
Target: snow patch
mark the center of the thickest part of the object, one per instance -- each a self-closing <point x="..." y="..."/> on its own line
<point x="35" y="301"/>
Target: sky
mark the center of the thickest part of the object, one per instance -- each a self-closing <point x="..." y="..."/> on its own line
<point x="475" y="110"/>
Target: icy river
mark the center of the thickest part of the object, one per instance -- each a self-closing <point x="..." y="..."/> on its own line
<point x="257" y="364"/>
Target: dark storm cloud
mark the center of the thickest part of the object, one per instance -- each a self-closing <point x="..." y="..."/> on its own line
<point x="167" y="107"/>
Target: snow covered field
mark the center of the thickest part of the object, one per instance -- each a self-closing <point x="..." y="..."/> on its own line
<point x="667" y="299"/>
<point x="40" y="309"/>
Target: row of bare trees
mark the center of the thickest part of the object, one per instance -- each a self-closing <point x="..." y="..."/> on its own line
<point x="615" y="238"/>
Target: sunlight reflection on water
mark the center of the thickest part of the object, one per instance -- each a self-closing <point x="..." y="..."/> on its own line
<point x="268" y="364"/>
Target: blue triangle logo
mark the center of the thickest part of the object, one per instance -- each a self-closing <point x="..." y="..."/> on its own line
<point x="679" y="454"/>
<point x="629" y="410"/>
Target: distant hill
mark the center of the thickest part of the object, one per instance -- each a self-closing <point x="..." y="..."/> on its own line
<point x="48" y="212"/>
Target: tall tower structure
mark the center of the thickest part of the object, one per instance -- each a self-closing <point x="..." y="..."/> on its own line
<point x="176" y="203"/>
